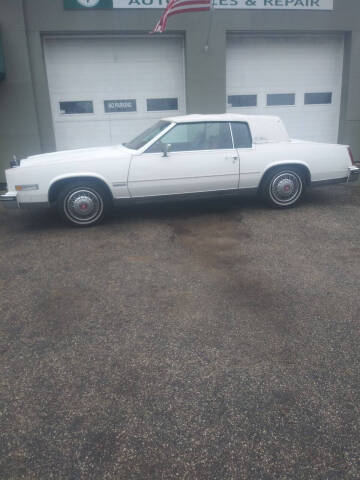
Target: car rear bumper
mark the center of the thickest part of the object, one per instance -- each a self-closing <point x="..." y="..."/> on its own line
<point x="9" y="200"/>
<point x="354" y="173"/>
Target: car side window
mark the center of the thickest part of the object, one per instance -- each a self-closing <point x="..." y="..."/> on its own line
<point x="218" y="136"/>
<point x="241" y="135"/>
<point x="195" y="136"/>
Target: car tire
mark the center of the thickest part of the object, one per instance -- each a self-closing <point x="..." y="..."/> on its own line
<point x="283" y="187"/>
<point x="83" y="204"/>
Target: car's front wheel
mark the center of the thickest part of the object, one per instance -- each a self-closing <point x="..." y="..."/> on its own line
<point x="83" y="204"/>
<point x="283" y="186"/>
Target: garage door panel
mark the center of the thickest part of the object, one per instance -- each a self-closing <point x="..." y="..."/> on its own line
<point x="109" y="80"/>
<point x="112" y="69"/>
<point x="67" y="50"/>
<point x="77" y="134"/>
<point x="93" y="76"/>
<point x="262" y="65"/>
<point x="268" y="71"/>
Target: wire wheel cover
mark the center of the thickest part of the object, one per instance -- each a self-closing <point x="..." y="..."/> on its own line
<point x="285" y="188"/>
<point x="83" y="205"/>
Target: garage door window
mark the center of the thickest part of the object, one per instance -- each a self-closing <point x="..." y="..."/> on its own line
<point x="160" y="104"/>
<point x="318" y="98"/>
<point x="78" y="107"/>
<point x="195" y="136"/>
<point x="242" y="100"/>
<point x="276" y="99"/>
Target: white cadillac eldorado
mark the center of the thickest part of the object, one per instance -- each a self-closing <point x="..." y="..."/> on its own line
<point x="179" y="157"/>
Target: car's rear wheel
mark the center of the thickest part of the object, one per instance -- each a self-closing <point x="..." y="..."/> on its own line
<point x="283" y="186"/>
<point x="83" y="204"/>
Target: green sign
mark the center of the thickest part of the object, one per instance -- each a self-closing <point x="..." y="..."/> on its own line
<point x="89" y="4"/>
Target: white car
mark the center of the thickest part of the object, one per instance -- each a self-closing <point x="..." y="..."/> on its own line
<point x="179" y="157"/>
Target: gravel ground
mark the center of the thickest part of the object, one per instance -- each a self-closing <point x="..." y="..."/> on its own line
<point x="207" y="340"/>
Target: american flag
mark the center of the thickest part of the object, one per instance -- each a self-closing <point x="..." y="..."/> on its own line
<point x="180" y="6"/>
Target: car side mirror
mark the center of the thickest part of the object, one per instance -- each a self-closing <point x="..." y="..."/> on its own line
<point x="165" y="147"/>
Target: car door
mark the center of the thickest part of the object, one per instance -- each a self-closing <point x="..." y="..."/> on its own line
<point x="200" y="158"/>
<point x="250" y="163"/>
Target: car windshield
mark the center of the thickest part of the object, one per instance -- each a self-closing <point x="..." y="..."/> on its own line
<point x="147" y="135"/>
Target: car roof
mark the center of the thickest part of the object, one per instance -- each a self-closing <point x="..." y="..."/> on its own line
<point x="222" y="117"/>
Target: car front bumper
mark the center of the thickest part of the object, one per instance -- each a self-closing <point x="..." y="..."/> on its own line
<point x="354" y="173"/>
<point x="9" y="200"/>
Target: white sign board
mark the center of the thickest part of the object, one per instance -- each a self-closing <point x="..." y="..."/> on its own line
<point x="239" y="4"/>
<point x="228" y="4"/>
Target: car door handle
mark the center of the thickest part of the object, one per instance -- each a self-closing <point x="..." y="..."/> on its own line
<point x="234" y="159"/>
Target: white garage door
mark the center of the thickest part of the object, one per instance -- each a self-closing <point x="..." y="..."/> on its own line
<point x="105" y="90"/>
<point x="295" y="77"/>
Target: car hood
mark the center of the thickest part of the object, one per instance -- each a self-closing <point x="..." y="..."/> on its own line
<point x="76" y="155"/>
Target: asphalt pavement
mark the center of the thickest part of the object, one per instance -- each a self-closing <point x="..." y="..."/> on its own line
<point x="203" y="340"/>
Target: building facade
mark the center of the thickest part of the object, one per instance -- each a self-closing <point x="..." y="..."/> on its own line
<point x="82" y="73"/>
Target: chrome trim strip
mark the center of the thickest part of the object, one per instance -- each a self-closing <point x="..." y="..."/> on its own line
<point x="333" y="181"/>
<point x="230" y="174"/>
<point x="232" y="136"/>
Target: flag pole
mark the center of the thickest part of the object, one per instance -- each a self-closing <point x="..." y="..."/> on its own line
<point x="206" y="46"/>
